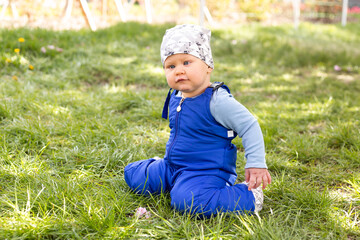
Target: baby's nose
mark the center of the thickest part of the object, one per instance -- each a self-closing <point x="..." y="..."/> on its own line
<point x="180" y="70"/>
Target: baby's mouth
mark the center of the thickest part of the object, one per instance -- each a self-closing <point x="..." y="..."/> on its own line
<point x="180" y="80"/>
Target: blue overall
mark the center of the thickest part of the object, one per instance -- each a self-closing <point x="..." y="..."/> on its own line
<point x="198" y="168"/>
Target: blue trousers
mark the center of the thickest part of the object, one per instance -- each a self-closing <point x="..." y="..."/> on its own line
<point x="190" y="191"/>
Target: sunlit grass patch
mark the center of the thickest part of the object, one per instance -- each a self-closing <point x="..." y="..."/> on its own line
<point x="346" y="211"/>
<point x="344" y="134"/>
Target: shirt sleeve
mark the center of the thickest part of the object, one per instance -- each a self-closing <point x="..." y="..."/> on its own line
<point x="233" y="115"/>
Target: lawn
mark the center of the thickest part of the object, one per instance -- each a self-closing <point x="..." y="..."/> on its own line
<point x="77" y="106"/>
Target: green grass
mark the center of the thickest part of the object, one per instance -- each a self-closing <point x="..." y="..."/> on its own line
<point x="70" y="126"/>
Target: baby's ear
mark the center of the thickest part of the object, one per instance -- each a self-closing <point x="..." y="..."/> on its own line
<point x="209" y="69"/>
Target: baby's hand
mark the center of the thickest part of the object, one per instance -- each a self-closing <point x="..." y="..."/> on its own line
<point x="256" y="176"/>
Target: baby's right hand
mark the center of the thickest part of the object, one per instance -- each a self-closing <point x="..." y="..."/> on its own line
<point x="255" y="176"/>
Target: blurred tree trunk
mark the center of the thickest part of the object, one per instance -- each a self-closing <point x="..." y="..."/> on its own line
<point x="68" y="8"/>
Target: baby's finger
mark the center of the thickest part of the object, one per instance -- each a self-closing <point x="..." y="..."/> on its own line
<point x="255" y="184"/>
<point x="252" y="183"/>
<point x="269" y="177"/>
<point x="265" y="182"/>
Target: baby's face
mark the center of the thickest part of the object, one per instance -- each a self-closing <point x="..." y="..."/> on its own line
<point x="187" y="73"/>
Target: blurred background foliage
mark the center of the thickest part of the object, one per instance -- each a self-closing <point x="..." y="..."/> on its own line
<point x="51" y="13"/>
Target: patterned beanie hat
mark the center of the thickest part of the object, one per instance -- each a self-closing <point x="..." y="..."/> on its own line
<point x="189" y="39"/>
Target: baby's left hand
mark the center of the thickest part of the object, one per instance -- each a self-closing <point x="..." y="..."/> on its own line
<point x="256" y="176"/>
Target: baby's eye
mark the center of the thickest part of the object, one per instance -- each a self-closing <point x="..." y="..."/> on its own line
<point x="171" y="66"/>
<point x="186" y="63"/>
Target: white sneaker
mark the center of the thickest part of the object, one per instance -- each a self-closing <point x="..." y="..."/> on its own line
<point x="259" y="197"/>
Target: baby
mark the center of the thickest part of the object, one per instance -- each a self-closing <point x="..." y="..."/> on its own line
<point x="199" y="166"/>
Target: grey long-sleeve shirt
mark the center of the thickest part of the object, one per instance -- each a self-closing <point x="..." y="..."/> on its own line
<point x="233" y="115"/>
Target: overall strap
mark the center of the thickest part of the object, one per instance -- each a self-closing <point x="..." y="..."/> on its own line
<point x="216" y="85"/>
<point x="166" y="105"/>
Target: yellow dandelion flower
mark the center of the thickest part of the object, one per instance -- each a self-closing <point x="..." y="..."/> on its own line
<point x="15" y="78"/>
<point x="21" y="40"/>
<point x="8" y="60"/>
<point x="31" y="67"/>
<point x="17" y="50"/>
